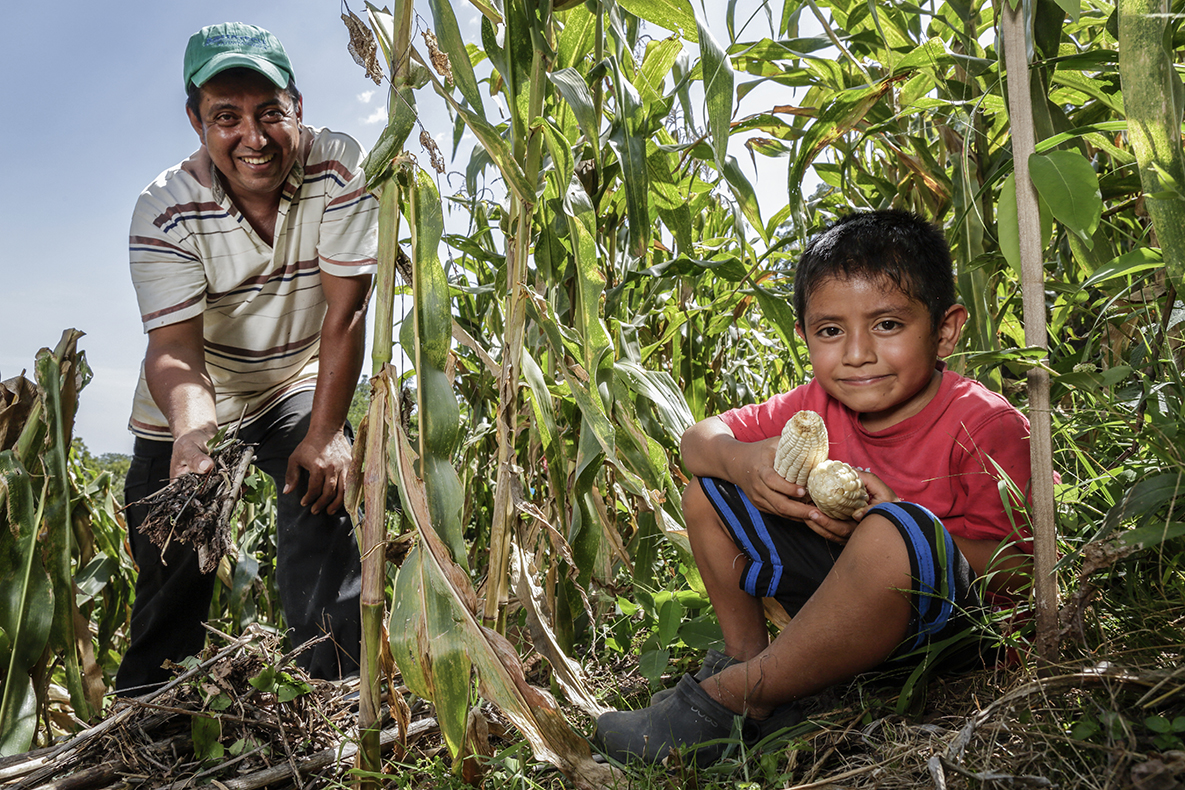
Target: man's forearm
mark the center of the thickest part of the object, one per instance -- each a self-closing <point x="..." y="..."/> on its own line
<point x="343" y="348"/>
<point x="175" y="368"/>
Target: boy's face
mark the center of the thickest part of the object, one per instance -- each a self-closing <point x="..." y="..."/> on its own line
<point x="872" y="347"/>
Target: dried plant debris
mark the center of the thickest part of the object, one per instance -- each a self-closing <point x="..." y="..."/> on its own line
<point x="433" y="151"/>
<point x="196" y="509"/>
<point x="18" y="396"/>
<point x="362" y="46"/>
<point x="236" y="718"/>
<point x="440" y="61"/>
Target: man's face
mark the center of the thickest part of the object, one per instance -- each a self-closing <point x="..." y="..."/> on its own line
<point x="252" y="131"/>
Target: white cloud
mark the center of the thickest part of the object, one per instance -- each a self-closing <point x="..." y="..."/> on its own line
<point x="378" y="116"/>
<point x="366" y="96"/>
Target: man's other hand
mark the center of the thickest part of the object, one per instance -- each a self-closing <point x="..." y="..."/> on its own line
<point x="327" y="461"/>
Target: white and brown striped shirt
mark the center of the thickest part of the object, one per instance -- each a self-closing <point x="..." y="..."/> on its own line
<point x="192" y="252"/>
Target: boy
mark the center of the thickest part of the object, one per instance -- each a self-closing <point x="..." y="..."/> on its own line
<point x="875" y="301"/>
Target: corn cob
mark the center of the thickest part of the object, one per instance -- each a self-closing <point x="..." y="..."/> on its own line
<point x="801" y="458"/>
<point x="835" y="488"/>
<point x="802" y="446"/>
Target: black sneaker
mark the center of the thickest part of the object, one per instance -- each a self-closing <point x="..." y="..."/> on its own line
<point x="715" y="662"/>
<point x="687" y="718"/>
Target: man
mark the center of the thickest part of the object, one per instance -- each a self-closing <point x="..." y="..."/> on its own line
<point x="252" y="263"/>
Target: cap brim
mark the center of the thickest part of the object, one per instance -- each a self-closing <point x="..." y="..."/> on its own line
<point x="232" y="60"/>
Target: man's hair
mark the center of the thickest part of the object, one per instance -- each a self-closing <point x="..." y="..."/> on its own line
<point x="193" y="97"/>
<point x="899" y="245"/>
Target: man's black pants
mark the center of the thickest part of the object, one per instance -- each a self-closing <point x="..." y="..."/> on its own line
<point x="317" y="565"/>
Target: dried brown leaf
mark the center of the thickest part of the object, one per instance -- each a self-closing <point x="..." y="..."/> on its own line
<point x="440" y="61"/>
<point x="433" y="151"/>
<point x="18" y="395"/>
<point x="363" y="47"/>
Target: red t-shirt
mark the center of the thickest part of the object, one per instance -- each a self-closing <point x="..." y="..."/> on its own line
<point x="940" y="458"/>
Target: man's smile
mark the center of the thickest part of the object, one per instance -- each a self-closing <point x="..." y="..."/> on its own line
<point x="257" y="159"/>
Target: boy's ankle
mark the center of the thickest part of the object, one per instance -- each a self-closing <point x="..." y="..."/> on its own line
<point x="734" y="702"/>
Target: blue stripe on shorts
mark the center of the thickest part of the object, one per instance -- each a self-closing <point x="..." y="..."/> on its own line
<point x="749" y="582"/>
<point x="934" y="602"/>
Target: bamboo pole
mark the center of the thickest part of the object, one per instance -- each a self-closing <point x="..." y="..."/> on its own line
<point x="1020" y="112"/>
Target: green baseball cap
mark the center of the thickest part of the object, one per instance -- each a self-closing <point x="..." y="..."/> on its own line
<point x="234" y="45"/>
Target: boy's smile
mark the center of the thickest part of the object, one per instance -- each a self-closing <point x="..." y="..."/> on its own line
<point x="872" y="347"/>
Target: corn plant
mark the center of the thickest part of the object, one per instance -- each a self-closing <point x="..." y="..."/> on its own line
<point x="616" y="279"/>
<point x="619" y="281"/>
<point x="40" y="619"/>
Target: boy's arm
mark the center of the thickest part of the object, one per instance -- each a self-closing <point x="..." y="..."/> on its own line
<point x="709" y="449"/>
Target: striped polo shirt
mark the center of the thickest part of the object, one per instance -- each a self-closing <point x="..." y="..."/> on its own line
<point x="193" y="252"/>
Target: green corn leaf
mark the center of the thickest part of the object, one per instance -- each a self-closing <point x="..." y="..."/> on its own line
<point x="575" y="40"/>
<point x="26" y="613"/>
<point x="718" y="93"/>
<point x="433" y="325"/>
<point x="437" y="628"/>
<point x="742" y="190"/>
<point x="931" y="55"/>
<point x="660" y="389"/>
<point x="837" y="115"/>
<point x="495" y="146"/>
<point x="630" y="147"/>
<point x="575" y="92"/>
<point x="656" y="65"/>
<point x="1141" y="259"/>
<point x="448" y="36"/>
<point x="1070" y="188"/>
<point x="377" y="164"/>
<point x="677" y="16"/>
<point x="546" y="428"/>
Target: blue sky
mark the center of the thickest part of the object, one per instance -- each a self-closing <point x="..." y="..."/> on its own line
<point x="94" y="110"/>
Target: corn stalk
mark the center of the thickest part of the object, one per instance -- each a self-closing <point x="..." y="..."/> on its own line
<point x="394" y="41"/>
<point x="527" y="148"/>
<point x="40" y="615"/>
<point x="1153" y="100"/>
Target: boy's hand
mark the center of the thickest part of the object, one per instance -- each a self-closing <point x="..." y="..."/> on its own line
<point x="754" y="474"/>
<point x="838" y="530"/>
<point x="878" y="493"/>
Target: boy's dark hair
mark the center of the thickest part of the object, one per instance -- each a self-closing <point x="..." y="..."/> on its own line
<point x="891" y="243"/>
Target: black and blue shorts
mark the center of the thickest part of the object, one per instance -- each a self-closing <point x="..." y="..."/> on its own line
<point x="787" y="561"/>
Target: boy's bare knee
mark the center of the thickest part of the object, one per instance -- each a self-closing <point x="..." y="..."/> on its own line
<point x="877" y="544"/>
